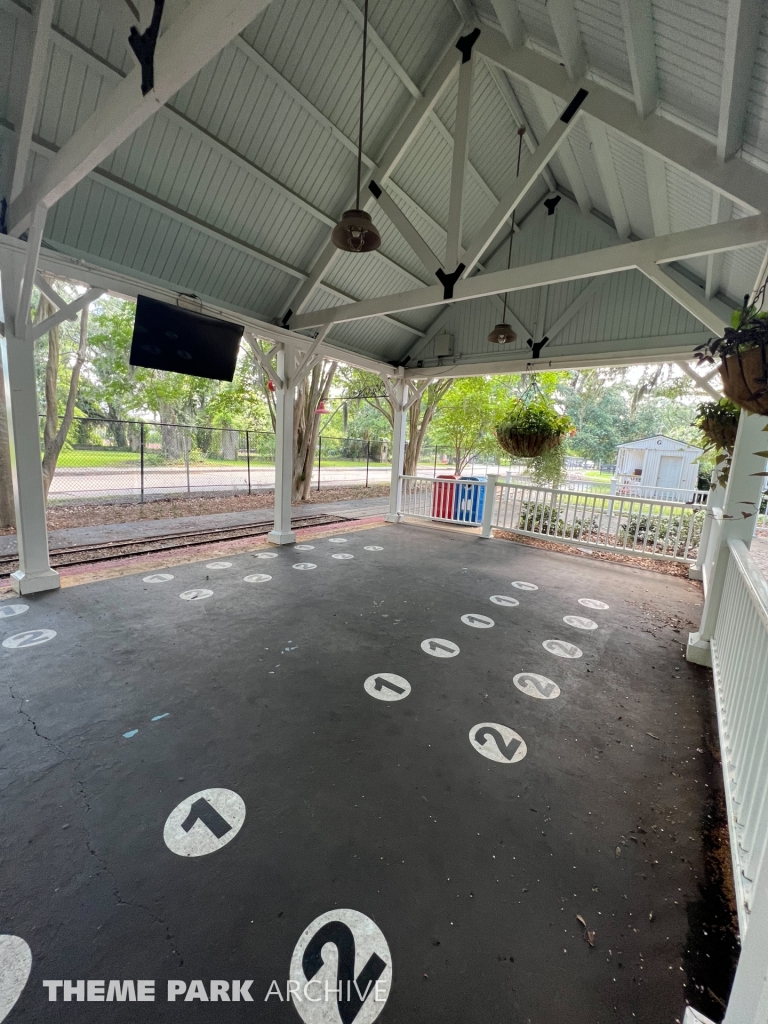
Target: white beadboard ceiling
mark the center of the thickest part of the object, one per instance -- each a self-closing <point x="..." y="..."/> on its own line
<point x="231" y="190"/>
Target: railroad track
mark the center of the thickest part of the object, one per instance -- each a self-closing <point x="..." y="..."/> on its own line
<point x="113" y="550"/>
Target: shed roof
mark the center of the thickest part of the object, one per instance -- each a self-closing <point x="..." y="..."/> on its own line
<point x="641" y="442"/>
<point x="231" y="188"/>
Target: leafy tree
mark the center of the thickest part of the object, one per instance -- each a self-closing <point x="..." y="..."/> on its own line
<point x="467" y="416"/>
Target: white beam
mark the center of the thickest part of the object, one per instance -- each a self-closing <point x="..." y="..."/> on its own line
<point x="562" y="14"/>
<point x="34" y="239"/>
<point x="68" y="312"/>
<point x="741" y="36"/>
<point x="38" y="57"/>
<point x="582" y="299"/>
<point x="739" y="180"/>
<point x="51" y="294"/>
<point x="547" y="250"/>
<point x="548" y="105"/>
<point x="466" y="12"/>
<point x="509" y="97"/>
<point x="637" y="16"/>
<point x="696" y="307"/>
<point x="656" y="176"/>
<point x="401" y="223"/>
<point x="631" y="255"/>
<point x="699" y="381"/>
<point x="606" y="168"/>
<point x="409" y="126"/>
<point x="511" y="23"/>
<point x="189" y="43"/>
<point x="519" y="187"/>
<point x="721" y="210"/>
<point x="459" y="164"/>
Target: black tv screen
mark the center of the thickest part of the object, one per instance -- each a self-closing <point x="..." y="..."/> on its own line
<point x="167" y="337"/>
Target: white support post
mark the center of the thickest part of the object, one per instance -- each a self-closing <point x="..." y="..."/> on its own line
<point x="399" y="398"/>
<point x="489" y="506"/>
<point x="284" y="398"/>
<point x="714" y="498"/>
<point x="742" y="503"/>
<point x="748" y="1002"/>
<point x="18" y="354"/>
<point x="459" y="165"/>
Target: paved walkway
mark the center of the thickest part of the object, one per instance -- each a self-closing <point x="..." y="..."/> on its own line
<point x="150" y="528"/>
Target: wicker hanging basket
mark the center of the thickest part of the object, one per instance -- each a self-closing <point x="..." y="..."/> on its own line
<point x="745" y="379"/>
<point x="721" y="433"/>
<point x="527" y="446"/>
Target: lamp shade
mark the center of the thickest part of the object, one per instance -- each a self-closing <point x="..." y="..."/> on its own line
<point x="355" y="232"/>
<point x="501" y="334"/>
<point x="321" y="409"/>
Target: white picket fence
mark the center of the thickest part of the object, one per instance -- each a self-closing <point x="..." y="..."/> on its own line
<point x="740" y="667"/>
<point x="426" y="498"/>
<point x="646" y="527"/>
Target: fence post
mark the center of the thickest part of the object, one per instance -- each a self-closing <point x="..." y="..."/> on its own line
<point x="434" y="471"/>
<point x="319" y="458"/>
<point x="367" y="459"/>
<point x="186" y="459"/>
<point x="141" y="450"/>
<point x="248" y="457"/>
<point x="489" y="505"/>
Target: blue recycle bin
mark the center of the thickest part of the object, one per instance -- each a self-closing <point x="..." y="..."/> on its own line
<point x="469" y="500"/>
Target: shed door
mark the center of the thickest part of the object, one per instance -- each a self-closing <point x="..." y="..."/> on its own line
<point x="669" y="471"/>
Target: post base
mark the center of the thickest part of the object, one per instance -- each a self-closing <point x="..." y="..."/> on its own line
<point x="281" y="537"/>
<point x="695" y="573"/>
<point x="34" y="582"/>
<point x="393" y="517"/>
<point x="698" y="651"/>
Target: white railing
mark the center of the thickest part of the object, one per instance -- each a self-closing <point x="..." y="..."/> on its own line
<point x="451" y="501"/>
<point x="648" y="528"/>
<point x="740" y="666"/>
<point x="625" y="487"/>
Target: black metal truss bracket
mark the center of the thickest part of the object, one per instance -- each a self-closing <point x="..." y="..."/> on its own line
<point x="551" y="204"/>
<point x="286" y="319"/>
<point x="374" y="189"/>
<point x="449" y="280"/>
<point x="570" y="111"/>
<point x="143" y="45"/>
<point x="537" y="346"/>
<point x="465" y="44"/>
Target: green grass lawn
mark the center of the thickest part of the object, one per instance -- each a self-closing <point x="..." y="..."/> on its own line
<point x="77" y="458"/>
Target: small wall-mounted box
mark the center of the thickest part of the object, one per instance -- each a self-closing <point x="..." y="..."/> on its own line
<point x="444" y="345"/>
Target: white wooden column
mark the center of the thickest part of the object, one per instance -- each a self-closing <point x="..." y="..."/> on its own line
<point x="18" y="353"/>
<point x="399" y="411"/>
<point x="284" y="398"/>
<point x="742" y="502"/>
<point x="714" y="500"/>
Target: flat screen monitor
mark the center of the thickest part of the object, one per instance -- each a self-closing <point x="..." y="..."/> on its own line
<point x="167" y="337"/>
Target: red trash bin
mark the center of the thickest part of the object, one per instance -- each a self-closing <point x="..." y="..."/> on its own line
<point x="444" y="496"/>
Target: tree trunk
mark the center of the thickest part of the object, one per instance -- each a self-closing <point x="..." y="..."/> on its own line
<point x="306" y="426"/>
<point x="420" y="416"/>
<point x="7" y="510"/>
<point x="53" y="439"/>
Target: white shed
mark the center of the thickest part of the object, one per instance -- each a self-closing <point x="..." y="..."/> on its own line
<point x="657" y="467"/>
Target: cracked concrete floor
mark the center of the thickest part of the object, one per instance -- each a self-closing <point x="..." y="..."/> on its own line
<point x="474" y="870"/>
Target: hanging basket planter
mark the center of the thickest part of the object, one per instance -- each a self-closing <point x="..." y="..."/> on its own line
<point x="718" y="422"/>
<point x="743" y="355"/>
<point x="529" y="429"/>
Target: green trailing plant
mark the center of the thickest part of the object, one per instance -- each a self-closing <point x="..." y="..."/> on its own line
<point x="531" y="427"/>
<point x="743" y="353"/>
<point x="719" y="422"/>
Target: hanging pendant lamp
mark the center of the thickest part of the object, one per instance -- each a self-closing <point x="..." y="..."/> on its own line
<point x="356" y="232"/>
<point x="502" y="334"/>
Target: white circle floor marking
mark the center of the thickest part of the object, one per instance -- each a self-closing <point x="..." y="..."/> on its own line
<point x="218" y="565"/>
<point x="536" y="686"/>
<point x="15" y="967"/>
<point x="498" y="742"/>
<point x="579" y="622"/>
<point x="204" y="822"/>
<point x="440" y="648"/>
<point x="195" y="595"/>
<point x="31" y="638"/>
<point x="521" y="585"/>
<point x="267" y="554"/>
<point x="337" y="540"/>
<point x="349" y="984"/>
<point x="478" y="621"/>
<point x="507" y="602"/>
<point x="590" y="602"/>
<point x="7" y="611"/>
<point x="257" y="577"/>
<point x="562" y="648"/>
<point x="373" y="547"/>
<point x="303" y="547"/>
<point x="343" y="555"/>
<point x="387" y="686"/>
<point x="305" y="565"/>
<point x="158" y="577"/>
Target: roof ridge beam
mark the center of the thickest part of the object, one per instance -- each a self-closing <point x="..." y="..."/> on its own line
<point x="190" y="42"/>
<point x="738" y="180"/>
<point x="609" y="260"/>
<point x="637" y="16"/>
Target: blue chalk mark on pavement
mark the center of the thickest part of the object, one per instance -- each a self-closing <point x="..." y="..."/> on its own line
<point x="158" y="717"/>
<point x="127" y="735"/>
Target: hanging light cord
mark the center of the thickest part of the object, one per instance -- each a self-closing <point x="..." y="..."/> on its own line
<point x="362" y="104"/>
<point x="521" y="133"/>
